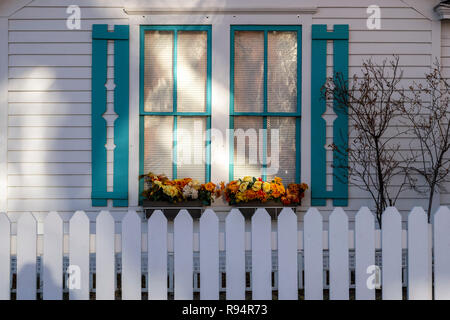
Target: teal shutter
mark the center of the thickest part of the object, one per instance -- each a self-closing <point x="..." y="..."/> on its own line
<point x="319" y="193"/>
<point x="100" y="37"/>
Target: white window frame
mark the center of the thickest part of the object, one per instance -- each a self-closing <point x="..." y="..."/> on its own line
<point x="220" y="22"/>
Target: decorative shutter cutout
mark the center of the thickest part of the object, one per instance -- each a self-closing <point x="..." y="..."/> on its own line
<point x="100" y="37"/>
<point x="319" y="193"/>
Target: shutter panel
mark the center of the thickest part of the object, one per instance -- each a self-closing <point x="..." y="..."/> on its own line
<point x="319" y="192"/>
<point x="100" y="37"/>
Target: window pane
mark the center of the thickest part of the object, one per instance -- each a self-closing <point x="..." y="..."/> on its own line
<point x="282" y="71"/>
<point x="191" y="71"/>
<point x="191" y="147"/>
<point x="247" y="160"/>
<point x="158" y="73"/>
<point x="281" y="156"/>
<point x="158" y="141"/>
<point x="248" y="71"/>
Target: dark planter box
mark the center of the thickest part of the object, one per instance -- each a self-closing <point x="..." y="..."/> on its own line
<point x="170" y="210"/>
<point x="273" y="208"/>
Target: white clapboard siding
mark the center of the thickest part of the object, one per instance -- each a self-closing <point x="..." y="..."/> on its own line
<point x="391" y="243"/>
<point x="26" y="257"/>
<point x="313" y="253"/>
<point x="365" y="255"/>
<point x="287" y="255"/>
<point x="419" y="264"/>
<point x="261" y="256"/>
<point x="441" y="243"/>
<point x="78" y="278"/>
<point x="53" y="257"/>
<point x="235" y="255"/>
<point x="209" y="256"/>
<point x="105" y="261"/>
<point x="157" y="256"/>
<point x="338" y="246"/>
<point x="131" y="256"/>
<point x="183" y="256"/>
<point x="5" y="257"/>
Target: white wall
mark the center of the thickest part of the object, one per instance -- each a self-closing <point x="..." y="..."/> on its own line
<point x="49" y="159"/>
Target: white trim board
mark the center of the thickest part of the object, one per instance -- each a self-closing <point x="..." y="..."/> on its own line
<point x="3" y="113"/>
<point x="220" y="85"/>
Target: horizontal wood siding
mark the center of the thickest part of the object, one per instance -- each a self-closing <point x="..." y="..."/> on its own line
<point x="49" y="146"/>
<point x="49" y="157"/>
<point x="445" y="62"/>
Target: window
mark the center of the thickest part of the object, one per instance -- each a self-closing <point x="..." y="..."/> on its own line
<point x="175" y="101"/>
<point x="265" y="94"/>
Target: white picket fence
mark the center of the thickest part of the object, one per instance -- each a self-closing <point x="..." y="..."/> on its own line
<point x="299" y="256"/>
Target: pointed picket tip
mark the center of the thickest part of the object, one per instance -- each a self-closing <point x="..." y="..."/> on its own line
<point x="130" y="216"/>
<point x="104" y="215"/>
<point x="442" y="213"/>
<point x="27" y="216"/>
<point x="183" y="215"/>
<point x="261" y="214"/>
<point x="417" y="211"/>
<point x="53" y="216"/>
<point x="209" y="215"/>
<point x="286" y="212"/>
<point x="338" y="213"/>
<point x="364" y="213"/>
<point x="313" y="214"/>
<point x="157" y="215"/>
<point x="79" y="216"/>
<point x="390" y="213"/>
<point x="4" y="218"/>
<point x="235" y="216"/>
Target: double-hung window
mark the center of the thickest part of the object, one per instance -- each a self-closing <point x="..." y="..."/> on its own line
<point x="175" y="101"/>
<point x="265" y="94"/>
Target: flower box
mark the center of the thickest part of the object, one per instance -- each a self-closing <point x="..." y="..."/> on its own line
<point x="273" y="208"/>
<point x="170" y="210"/>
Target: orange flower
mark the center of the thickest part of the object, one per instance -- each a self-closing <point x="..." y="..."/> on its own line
<point x="278" y="180"/>
<point x="250" y="194"/>
<point x="210" y="187"/>
<point x="233" y="186"/>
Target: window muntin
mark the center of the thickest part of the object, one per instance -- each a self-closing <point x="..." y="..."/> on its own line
<point x="176" y="101"/>
<point x="265" y="94"/>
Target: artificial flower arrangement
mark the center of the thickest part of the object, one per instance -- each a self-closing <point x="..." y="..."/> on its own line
<point x="251" y="189"/>
<point x="161" y="188"/>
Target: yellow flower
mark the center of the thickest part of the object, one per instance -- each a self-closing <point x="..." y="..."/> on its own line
<point x="240" y="196"/>
<point x="257" y="185"/>
<point x="171" y="191"/>
<point x="248" y="179"/>
<point x="278" y="180"/>
<point x="157" y="182"/>
<point x="266" y="187"/>
<point x="243" y="186"/>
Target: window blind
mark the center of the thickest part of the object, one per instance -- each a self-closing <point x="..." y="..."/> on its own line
<point x="158" y="75"/>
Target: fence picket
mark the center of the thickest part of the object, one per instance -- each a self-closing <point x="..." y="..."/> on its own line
<point x="104" y="265"/>
<point x="26" y="257"/>
<point x="364" y="253"/>
<point x="157" y="256"/>
<point x="5" y="257"/>
<point x="441" y="243"/>
<point x="287" y="255"/>
<point x="261" y="256"/>
<point x="53" y="257"/>
<point x="235" y="255"/>
<point x="183" y="256"/>
<point x="131" y="256"/>
<point x="78" y="280"/>
<point x="419" y="287"/>
<point x="209" y="256"/>
<point x="313" y="252"/>
<point x="338" y="246"/>
<point x="391" y="243"/>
